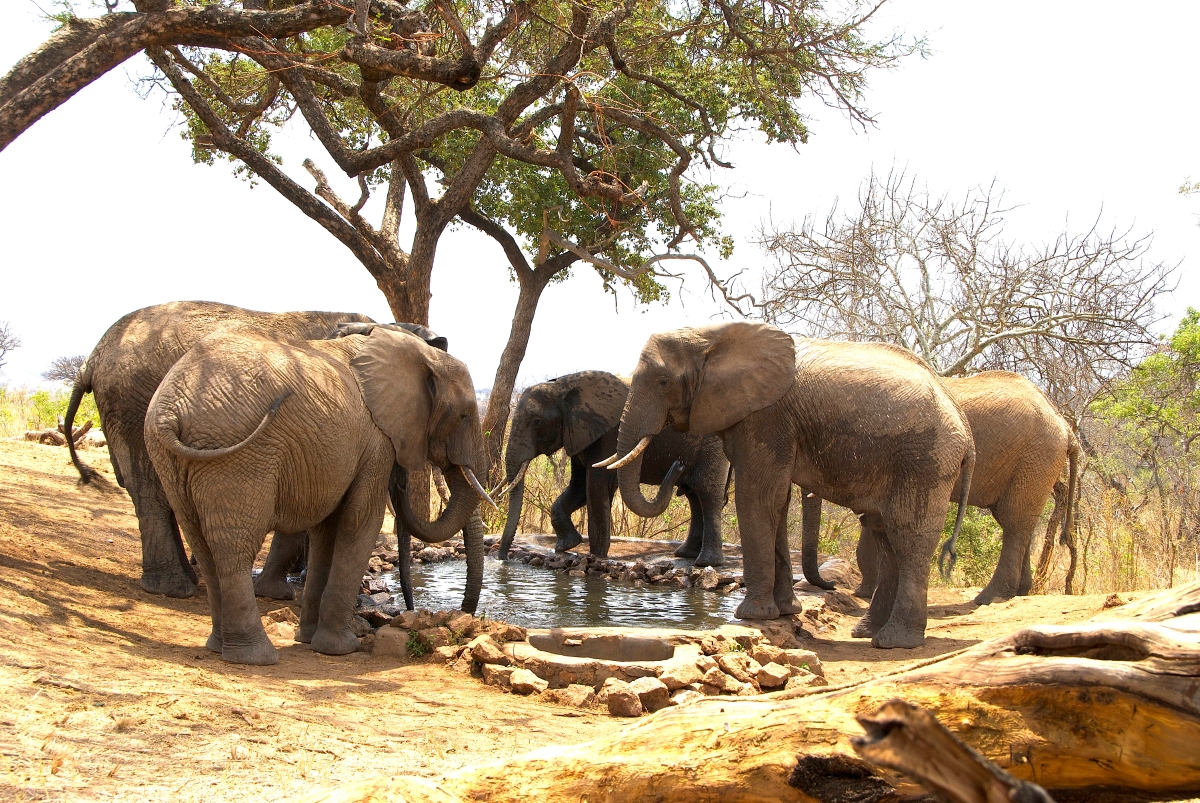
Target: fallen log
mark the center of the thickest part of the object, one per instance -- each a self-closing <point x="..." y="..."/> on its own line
<point x="1086" y="711"/>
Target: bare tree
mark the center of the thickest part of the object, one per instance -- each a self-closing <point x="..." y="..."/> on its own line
<point x="8" y="340"/>
<point x="941" y="279"/>
<point x="65" y="369"/>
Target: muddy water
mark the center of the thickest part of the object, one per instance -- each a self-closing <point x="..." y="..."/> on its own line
<point x="533" y="597"/>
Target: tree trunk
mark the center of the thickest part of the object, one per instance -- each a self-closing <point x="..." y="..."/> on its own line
<point x="1041" y="575"/>
<point x="1087" y="709"/>
<point x="499" y="404"/>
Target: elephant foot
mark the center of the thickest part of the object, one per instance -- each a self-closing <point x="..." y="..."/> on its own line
<point x="335" y="642"/>
<point x="989" y="595"/>
<point x="757" y="609"/>
<point x="864" y="629"/>
<point x="598" y="553"/>
<point x="864" y="591"/>
<point x="789" y="605"/>
<point x="214" y="642"/>
<point x="688" y="550"/>
<point x="255" y="653"/>
<point x="709" y="558"/>
<point x="171" y="584"/>
<point x="893" y="636"/>
<point x="273" y="587"/>
<point x="304" y="633"/>
<point x="566" y="543"/>
<point x="1024" y="587"/>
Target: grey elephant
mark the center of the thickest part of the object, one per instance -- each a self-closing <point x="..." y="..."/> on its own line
<point x="854" y="422"/>
<point x="251" y="433"/>
<point x="124" y="370"/>
<point x="579" y="413"/>
<point x="1021" y="447"/>
<point x="289" y="551"/>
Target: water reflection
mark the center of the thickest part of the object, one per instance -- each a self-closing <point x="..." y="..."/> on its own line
<point x="531" y="597"/>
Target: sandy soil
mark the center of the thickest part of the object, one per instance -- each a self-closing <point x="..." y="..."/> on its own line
<point x="107" y="692"/>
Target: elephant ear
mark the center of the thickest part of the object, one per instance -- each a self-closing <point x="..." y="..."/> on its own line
<point x="393" y="370"/>
<point x="747" y="366"/>
<point x="591" y="408"/>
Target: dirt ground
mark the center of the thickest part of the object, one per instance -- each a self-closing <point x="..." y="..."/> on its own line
<point x="107" y="692"/>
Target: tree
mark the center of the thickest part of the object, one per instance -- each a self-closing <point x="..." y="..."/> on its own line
<point x="8" y="341"/>
<point x="940" y="278"/>
<point x="575" y="125"/>
<point x="65" y="369"/>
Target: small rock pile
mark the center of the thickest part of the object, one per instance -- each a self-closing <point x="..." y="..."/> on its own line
<point x="444" y="634"/>
<point x="639" y="573"/>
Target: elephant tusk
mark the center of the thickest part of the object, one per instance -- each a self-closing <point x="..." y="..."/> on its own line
<point x="470" y="475"/>
<point x="507" y="489"/>
<point x="633" y="455"/>
<point x="606" y="461"/>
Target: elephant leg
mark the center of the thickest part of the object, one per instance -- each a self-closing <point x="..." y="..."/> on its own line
<point x="867" y="556"/>
<point x="1013" y="563"/>
<point x="913" y="547"/>
<point x="165" y="566"/>
<point x="692" y="547"/>
<point x="708" y="511"/>
<point x="287" y="549"/>
<point x="212" y="585"/>
<point x="785" y="598"/>
<point x="570" y="500"/>
<point x="883" y="598"/>
<point x="601" y="485"/>
<point x="1026" y="584"/>
<point x="762" y="498"/>
<point x="355" y="535"/>
<point x="243" y="640"/>
<point x="320" y="556"/>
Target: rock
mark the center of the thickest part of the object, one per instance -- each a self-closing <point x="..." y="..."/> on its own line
<point x="484" y="650"/>
<point x="720" y="681"/>
<point x="786" y="633"/>
<point x="460" y="622"/>
<point x="423" y="621"/>
<point x="768" y="653"/>
<point x="746" y="690"/>
<point x="374" y="585"/>
<point x="804" y="680"/>
<point x="840" y="601"/>
<point x="773" y="675"/>
<point x="450" y="652"/>
<point x="496" y="675"/>
<point x="525" y="682"/>
<point x="282" y="631"/>
<point x="463" y="664"/>
<point x="685" y="696"/>
<point x="433" y="637"/>
<point x="405" y="619"/>
<point x="708" y="578"/>
<point x="709" y="690"/>
<point x="391" y="642"/>
<point x="375" y="616"/>
<point x="392" y="609"/>
<point x="608" y="685"/>
<point x="677" y="676"/>
<point x="441" y="617"/>
<point x="652" y="692"/>
<point x="361" y="626"/>
<point x="537" y="560"/>
<point x="282" y="615"/>
<point x="503" y="631"/>
<point x="805" y="659"/>
<point x="739" y="665"/>
<point x="364" y="601"/>
<point x="624" y="702"/>
<point x="575" y="695"/>
<point x="840" y="572"/>
<point x="577" y="573"/>
<point x="712" y="645"/>
<point x="705" y="663"/>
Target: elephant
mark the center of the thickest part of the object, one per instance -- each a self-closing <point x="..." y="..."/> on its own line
<point x="1021" y="447"/>
<point x="289" y="551"/>
<point x="855" y="423"/>
<point x="124" y="370"/>
<point x="579" y="413"/>
<point x="252" y="433"/>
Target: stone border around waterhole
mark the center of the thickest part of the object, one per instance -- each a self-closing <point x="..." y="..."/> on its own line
<point x="732" y="660"/>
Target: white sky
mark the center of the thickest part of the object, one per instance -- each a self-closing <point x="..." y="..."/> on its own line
<point x="1073" y="107"/>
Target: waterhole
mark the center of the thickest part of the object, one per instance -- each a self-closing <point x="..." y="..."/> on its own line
<point x="531" y="597"/>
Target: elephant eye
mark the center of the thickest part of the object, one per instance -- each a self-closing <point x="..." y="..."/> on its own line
<point x="663" y="382"/>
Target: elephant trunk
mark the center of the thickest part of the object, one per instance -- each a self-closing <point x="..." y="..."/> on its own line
<point x="397" y="485"/>
<point x="516" y="500"/>
<point x="463" y="501"/>
<point x="810" y="508"/>
<point x="629" y="476"/>
<point x="473" y="540"/>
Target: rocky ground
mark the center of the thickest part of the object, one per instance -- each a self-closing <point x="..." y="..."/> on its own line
<point x="108" y="692"/>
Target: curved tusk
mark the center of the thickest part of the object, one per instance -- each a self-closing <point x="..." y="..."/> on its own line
<point x="470" y="475"/>
<point x="607" y="461"/>
<point x="633" y="455"/>
<point x="507" y="489"/>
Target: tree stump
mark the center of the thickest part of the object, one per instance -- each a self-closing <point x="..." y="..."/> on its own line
<point x="1111" y="704"/>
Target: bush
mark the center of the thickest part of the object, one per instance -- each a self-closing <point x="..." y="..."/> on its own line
<point x="22" y="409"/>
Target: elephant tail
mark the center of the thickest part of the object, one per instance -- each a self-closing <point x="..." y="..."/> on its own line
<point x="1072" y="477"/>
<point x="82" y="386"/>
<point x="185" y="451"/>
<point x="949" y="556"/>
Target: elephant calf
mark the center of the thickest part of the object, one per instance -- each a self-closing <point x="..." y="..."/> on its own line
<point x="580" y="413"/>
<point x="251" y="434"/>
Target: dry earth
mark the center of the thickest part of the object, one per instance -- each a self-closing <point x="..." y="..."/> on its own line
<point x="106" y="692"/>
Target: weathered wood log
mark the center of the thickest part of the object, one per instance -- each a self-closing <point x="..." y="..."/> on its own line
<point x="1109" y="704"/>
